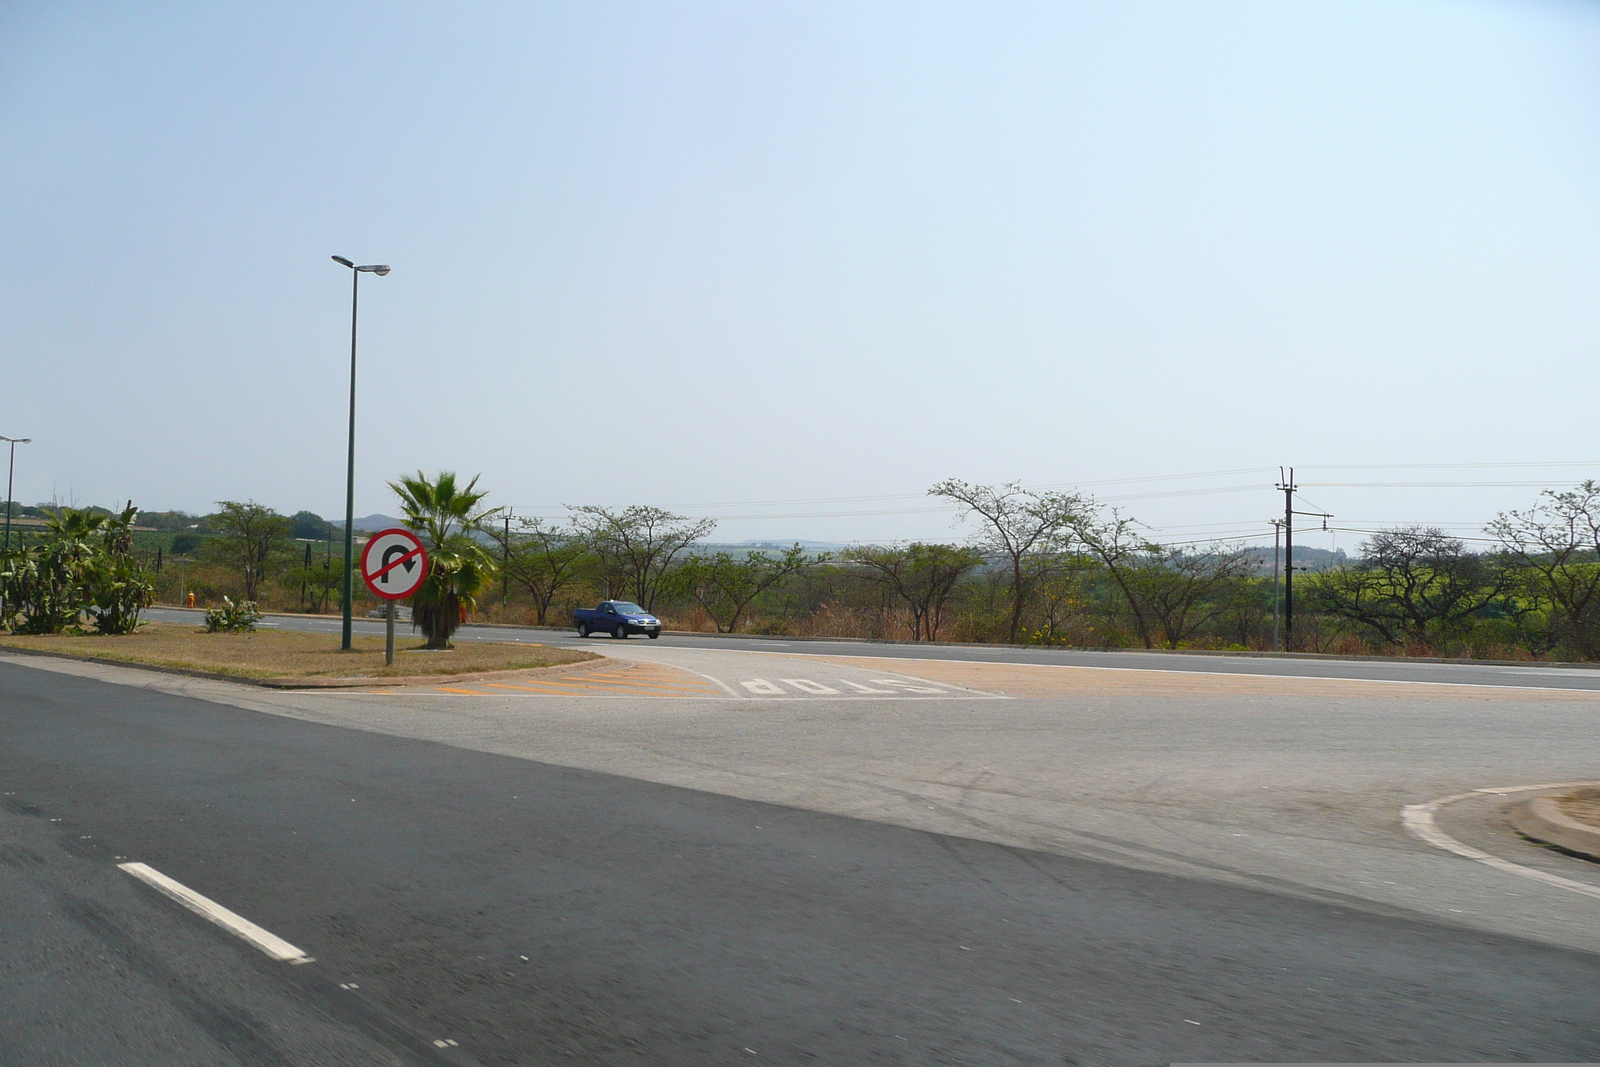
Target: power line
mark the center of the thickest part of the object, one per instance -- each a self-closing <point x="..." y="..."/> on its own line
<point x="1447" y="466"/>
<point x="1436" y="485"/>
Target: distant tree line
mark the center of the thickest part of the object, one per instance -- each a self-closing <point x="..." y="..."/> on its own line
<point x="1040" y="568"/>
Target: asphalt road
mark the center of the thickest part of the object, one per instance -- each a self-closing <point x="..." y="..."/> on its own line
<point x="1464" y="673"/>
<point x="539" y="914"/>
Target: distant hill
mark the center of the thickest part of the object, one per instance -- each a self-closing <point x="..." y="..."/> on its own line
<point x="1316" y="559"/>
<point x="370" y="523"/>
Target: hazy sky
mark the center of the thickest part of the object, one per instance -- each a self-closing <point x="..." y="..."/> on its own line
<point x="714" y="256"/>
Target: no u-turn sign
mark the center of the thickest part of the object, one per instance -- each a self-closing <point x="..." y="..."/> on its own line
<point x="393" y="564"/>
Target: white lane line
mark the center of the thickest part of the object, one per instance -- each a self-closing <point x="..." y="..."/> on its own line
<point x="1418" y="819"/>
<point x="266" y="941"/>
<point x="761" y="685"/>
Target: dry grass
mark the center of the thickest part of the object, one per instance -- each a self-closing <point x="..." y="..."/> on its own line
<point x="1581" y="804"/>
<point x="274" y="654"/>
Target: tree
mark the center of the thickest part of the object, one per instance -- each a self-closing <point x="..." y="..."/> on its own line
<point x="921" y="576"/>
<point x="1059" y="589"/>
<point x="1019" y="527"/>
<point x="46" y="584"/>
<point x="85" y="563"/>
<point x="447" y="518"/>
<point x="1170" y="590"/>
<point x="1183" y="590"/>
<point x="1118" y="545"/>
<point x="308" y="526"/>
<point x="1412" y="584"/>
<point x="119" y="587"/>
<point x="542" y="561"/>
<point x="251" y="539"/>
<point x="726" y="586"/>
<point x="639" y="544"/>
<point x="1555" y="550"/>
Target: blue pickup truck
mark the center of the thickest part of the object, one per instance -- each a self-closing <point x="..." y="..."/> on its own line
<point x="618" y="618"/>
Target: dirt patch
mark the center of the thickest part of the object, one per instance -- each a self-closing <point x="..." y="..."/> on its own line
<point x="285" y="654"/>
<point x="1582" y="805"/>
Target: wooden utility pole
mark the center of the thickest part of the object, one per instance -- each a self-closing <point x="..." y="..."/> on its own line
<point x="505" y="563"/>
<point x="1277" y="538"/>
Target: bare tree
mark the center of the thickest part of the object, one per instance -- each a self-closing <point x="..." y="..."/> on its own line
<point x="1414" y="584"/>
<point x="1019" y="525"/>
<point x="1555" y="549"/>
<point x="921" y="576"/>
<point x="726" y="586"/>
<point x="542" y="560"/>
<point x="639" y="543"/>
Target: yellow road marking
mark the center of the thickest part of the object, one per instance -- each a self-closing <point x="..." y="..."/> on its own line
<point x="524" y="688"/>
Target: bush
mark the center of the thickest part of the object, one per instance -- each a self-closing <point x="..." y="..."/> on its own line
<point x="231" y="618"/>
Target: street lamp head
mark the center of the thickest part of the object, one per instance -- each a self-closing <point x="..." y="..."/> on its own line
<point x="18" y="440"/>
<point x="380" y="269"/>
<point x="342" y="261"/>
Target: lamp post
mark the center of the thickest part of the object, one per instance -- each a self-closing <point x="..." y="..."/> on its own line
<point x="10" y="477"/>
<point x="380" y="269"/>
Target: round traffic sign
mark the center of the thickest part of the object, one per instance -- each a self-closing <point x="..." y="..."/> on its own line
<point x="393" y="564"/>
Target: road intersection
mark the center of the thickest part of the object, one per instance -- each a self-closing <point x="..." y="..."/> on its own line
<point x="1290" y="787"/>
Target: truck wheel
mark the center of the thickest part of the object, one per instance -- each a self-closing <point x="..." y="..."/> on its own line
<point x="620" y="633"/>
<point x="583" y="629"/>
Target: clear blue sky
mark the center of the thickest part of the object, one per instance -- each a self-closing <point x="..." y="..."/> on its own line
<point x="703" y="255"/>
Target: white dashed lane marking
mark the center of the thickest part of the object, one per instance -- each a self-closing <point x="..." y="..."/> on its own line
<point x="239" y="926"/>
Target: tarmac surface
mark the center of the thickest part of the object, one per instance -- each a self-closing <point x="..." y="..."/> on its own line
<point x="715" y="851"/>
<point x="1529" y="675"/>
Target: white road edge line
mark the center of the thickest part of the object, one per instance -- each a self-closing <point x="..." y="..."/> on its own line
<point x="267" y="942"/>
<point x="1418" y="820"/>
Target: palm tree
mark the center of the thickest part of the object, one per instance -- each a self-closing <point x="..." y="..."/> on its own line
<point x="448" y="519"/>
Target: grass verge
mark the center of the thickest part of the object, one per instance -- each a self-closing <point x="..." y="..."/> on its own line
<point x="285" y="654"/>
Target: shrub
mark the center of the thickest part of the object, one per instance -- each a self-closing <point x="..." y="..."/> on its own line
<point x="231" y="618"/>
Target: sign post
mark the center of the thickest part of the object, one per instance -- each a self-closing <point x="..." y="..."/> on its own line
<point x="393" y="564"/>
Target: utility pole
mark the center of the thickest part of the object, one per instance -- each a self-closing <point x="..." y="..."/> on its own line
<point x="505" y="563"/>
<point x="1287" y="485"/>
<point x="1277" y="536"/>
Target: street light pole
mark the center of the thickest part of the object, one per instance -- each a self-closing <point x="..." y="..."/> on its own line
<point x="350" y="474"/>
<point x="11" y="474"/>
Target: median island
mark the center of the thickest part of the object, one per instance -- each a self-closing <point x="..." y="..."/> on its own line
<point x="289" y="659"/>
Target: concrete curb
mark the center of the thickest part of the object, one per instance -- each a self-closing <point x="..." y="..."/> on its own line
<point x="412" y="680"/>
<point x="1542" y="820"/>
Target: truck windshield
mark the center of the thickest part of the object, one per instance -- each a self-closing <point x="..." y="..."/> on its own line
<point x="625" y="608"/>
